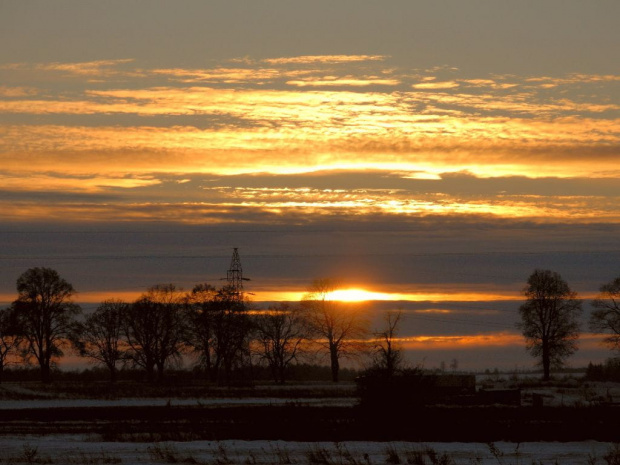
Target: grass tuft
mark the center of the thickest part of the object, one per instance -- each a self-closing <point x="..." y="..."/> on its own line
<point x="319" y="456"/>
<point x="391" y="456"/>
<point x="612" y="457"/>
<point x="167" y="453"/>
<point x="428" y="456"/>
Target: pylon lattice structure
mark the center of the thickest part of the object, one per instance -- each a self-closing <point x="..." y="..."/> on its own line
<point x="234" y="276"/>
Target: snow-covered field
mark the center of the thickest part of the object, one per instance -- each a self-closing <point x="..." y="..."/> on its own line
<point x="570" y="393"/>
<point x="88" y="450"/>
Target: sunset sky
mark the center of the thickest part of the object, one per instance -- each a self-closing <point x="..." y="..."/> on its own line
<point x="432" y="152"/>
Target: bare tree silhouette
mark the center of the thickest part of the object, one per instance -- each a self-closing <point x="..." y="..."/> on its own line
<point x="340" y="330"/>
<point x="44" y="314"/>
<point x="155" y="328"/>
<point x="280" y="333"/>
<point x="549" y="319"/>
<point x="203" y="325"/>
<point x="387" y="352"/>
<point x="219" y="329"/>
<point x="100" y="337"/>
<point x="232" y="334"/>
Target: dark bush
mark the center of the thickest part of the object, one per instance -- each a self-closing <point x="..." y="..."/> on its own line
<point x="608" y="371"/>
<point x="412" y="387"/>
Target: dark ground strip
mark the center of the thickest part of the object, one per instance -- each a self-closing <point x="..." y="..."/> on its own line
<point x="303" y="423"/>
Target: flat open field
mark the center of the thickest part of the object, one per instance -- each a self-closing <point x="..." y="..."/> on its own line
<point x="303" y="424"/>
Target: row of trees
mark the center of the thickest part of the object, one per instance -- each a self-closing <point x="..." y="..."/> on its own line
<point x="224" y="333"/>
<point x="166" y="323"/>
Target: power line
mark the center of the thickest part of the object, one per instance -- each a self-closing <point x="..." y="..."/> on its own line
<point x="302" y="255"/>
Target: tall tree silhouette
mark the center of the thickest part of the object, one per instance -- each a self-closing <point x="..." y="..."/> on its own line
<point x="219" y="330"/>
<point x="388" y="354"/>
<point x="233" y="332"/>
<point x="280" y="333"/>
<point x="155" y="328"/>
<point x="44" y="313"/>
<point x="339" y="330"/>
<point x="549" y="319"/>
<point x="203" y="319"/>
<point x="100" y="336"/>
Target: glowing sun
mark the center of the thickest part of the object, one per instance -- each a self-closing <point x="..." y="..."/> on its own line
<point x="355" y="295"/>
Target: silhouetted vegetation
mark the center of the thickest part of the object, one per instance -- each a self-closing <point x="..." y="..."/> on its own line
<point x="163" y="326"/>
<point x="608" y="371"/>
<point x="549" y="319"/>
<point x="280" y="333"/>
<point x="336" y="329"/>
<point x="412" y="387"/>
<point x="10" y="339"/>
<point x="154" y="327"/>
<point x="100" y="336"/>
<point x="276" y="453"/>
<point x="606" y="316"/>
<point x="250" y="353"/>
<point x="219" y="331"/>
<point x="387" y="353"/>
<point x="234" y="346"/>
<point x="312" y="372"/>
<point x="204" y="321"/>
<point x="44" y="314"/>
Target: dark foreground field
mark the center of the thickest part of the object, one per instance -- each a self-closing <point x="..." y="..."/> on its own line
<point x="308" y="423"/>
<point x="316" y="423"/>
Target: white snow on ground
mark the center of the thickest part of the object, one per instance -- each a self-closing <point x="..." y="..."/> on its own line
<point x="65" y="449"/>
<point x="152" y="402"/>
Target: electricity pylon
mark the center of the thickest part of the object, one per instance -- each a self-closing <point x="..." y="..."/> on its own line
<point x="234" y="276"/>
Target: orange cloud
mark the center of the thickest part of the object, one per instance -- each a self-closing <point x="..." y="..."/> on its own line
<point x="323" y="59"/>
<point x="46" y="182"/>
<point x="19" y="91"/>
<point x="355" y="122"/>
<point x="575" y="78"/>
<point x="225" y="75"/>
<point x="90" y="68"/>
<point x="335" y="82"/>
<point x="487" y="83"/>
<point x="499" y="339"/>
<point x="436" y="85"/>
<point x="476" y="125"/>
<point x="85" y="68"/>
<point x="519" y="103"/>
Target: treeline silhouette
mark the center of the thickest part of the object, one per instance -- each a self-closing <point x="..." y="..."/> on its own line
<point x="230" y="341"/>
<point x="607" y="371"/>
<point x="191" y="376"/>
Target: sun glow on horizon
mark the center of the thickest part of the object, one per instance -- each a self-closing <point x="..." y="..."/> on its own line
<point x="356" y="295"/>
<point x="362" y="295"/>
<point x="342" y="295"/>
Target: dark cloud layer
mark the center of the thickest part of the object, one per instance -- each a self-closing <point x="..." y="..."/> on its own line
<point x="440" y="254"/>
